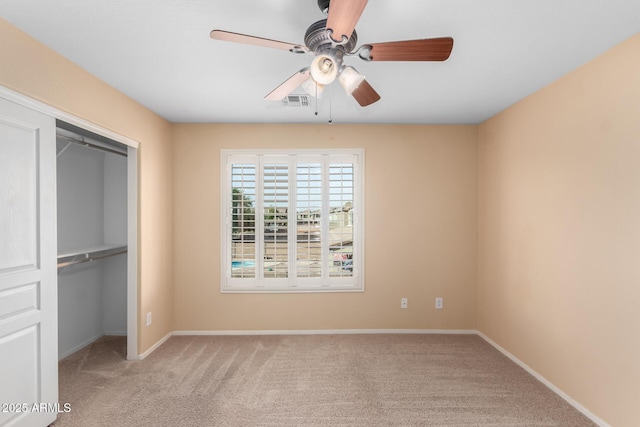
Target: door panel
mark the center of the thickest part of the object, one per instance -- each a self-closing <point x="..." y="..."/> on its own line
<point x="18" y="197"/>
<point x="28" y="278"/>
<point x="20" y="350"/>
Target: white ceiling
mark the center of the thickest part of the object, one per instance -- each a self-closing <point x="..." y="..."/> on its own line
<point x="159" y="53"/>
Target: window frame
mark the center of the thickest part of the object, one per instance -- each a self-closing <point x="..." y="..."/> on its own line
<point x="291" y="284"/>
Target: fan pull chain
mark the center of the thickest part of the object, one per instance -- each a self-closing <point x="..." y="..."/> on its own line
<point x="330" y="116"/>
<point x="316" y="98"/>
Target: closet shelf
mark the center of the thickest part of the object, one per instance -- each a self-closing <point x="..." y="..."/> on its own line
<point x="90" y="254"/>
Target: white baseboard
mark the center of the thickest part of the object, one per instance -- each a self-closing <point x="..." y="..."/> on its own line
<point x="77" y="347"/>
<point x="546" y="382"/>
<point x="328" y="332"/>
<point x="155" y="346"/>
<point x="115" y="333"/>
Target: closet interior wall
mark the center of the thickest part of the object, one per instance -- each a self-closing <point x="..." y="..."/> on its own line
<point x="92" y="216"/>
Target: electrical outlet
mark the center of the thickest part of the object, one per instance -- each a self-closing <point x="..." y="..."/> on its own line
<point x="403" y="302"/>
<point x="438" y="303"/>
<point x="149" y="319"/>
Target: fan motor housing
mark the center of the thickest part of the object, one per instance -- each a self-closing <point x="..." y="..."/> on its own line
<point x="317" y="38"/>
<point x="324" y="6"/>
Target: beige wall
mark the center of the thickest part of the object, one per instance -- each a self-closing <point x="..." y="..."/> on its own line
<point x="32" y="69"/>
<point x="427" y="173"/>
<point x="559" y="233"/>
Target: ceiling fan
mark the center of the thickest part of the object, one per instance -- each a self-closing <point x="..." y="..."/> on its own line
<point x="330" y="40"/>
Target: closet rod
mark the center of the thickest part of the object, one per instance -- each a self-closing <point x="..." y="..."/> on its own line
<point x="80" y="258"/>
<point x="90" y="145"/>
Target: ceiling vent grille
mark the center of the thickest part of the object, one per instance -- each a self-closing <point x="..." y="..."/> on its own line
<point x="296" y="101"/>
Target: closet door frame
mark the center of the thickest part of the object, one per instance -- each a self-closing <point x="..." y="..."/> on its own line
<point x="132" y="203"/>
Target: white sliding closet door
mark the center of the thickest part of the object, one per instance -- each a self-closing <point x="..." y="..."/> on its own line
<point x="28" y="282"/>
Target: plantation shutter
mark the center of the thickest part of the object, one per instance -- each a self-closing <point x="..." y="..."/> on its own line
<point x="293" y="222"/>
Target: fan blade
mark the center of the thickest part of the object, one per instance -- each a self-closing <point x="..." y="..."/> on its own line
<point x="256" y="41"/>
<point x="365" y="94"/>
<point x="412" y="50"/>
<point x="343" y="17"/>
<point x="289" y="85"/>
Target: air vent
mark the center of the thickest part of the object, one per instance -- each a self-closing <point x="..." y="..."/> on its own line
<point x="296" y="101"/>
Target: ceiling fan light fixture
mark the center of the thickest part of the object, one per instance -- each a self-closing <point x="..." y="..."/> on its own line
<point x="329" y="53"/>
<point x="350" y="79"/>
<point x="324" y="69"/>
<point x="313" y="88"/>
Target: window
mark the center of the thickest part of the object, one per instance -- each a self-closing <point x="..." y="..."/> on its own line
<point x="292" y="221"/>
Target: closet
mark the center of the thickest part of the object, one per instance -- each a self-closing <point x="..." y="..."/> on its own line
<point x="92" y="237"/>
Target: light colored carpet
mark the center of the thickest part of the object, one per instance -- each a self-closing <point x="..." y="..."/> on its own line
<point x="307" y="380"/>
